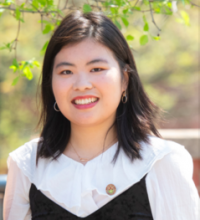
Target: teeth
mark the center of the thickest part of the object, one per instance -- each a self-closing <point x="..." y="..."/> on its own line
<point x="85" y="101"/>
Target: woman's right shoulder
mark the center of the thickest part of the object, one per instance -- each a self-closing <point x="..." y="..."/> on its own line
<point x="25" y="157"/>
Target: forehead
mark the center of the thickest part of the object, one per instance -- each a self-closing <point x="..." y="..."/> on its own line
<point x="87" y="49"/>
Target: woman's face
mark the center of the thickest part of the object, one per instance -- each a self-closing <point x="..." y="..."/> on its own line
<point x="87" y="83"/>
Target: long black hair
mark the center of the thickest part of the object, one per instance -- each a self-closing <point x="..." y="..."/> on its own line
<point x="135" y="119"/>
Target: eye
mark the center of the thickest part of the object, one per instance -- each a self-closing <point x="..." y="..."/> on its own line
<point x="97" y="69"/>
<point x="66" y="72"/>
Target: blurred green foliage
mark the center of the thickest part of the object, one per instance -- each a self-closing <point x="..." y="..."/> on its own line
<point x="167" y="60"/>
<point x="52" y="11"/>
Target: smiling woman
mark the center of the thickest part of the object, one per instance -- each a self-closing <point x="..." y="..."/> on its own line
<point x="99" y="155"/>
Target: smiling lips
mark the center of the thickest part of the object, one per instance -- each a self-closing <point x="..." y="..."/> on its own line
<point x="83" y="102"/>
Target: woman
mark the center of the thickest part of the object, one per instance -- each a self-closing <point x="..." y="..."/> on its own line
<point x="99" y="155"/>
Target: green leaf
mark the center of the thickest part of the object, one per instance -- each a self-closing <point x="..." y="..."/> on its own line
<point x="156" y="38"/>
<point x="44" y="47"/>
<point x="35" y="4"/>
<point x="185" y="17"/>
<point x="114" y="10"/>
<point x="157" y="10"/>
<point x="118" y="24"/>
<point x="36" y="63"/>
<point x="146" y="27"/>
<point x="58" y="22"/>
<point x="28" y="73"/>
<point x="144" y="40"/>
<point x="14" y="68"/>
<point x="125" y="21"/>
<point x="86" y="8"/>
<point x="168" y="11"/>
<point x="14" y="82"/>
<point x="22" y="5"/>
<point x="15" y="63"/>
<point x="136" y="8"/>
<point x="169" y="4"/>
<point x="47" y="29"/>
<point x="17" y="13"/>
<point x="129" y="37"/>
<point x="125" y="11"/>
<point x="50" y="2"/>
<point x="119" y="2"/>
<point x="42" y="2"/>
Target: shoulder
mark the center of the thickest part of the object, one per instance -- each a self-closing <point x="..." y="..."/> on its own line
<point x="164" y="152"/>
<point x="24" y="157"/>
<point x="175" y="156"/>
<point x="171" y="189"/>
<point x="172" y="169"/>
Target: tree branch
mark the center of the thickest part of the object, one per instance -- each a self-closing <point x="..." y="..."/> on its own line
<point x="152" y="17"/>
<point x="28" y="11"/>
<point x="136" y="3"/>
<point x="194" y="4"/>
<point x="16" y="39"/>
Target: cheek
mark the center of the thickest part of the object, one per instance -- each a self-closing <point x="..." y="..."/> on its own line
<point x="60" y="88"/>
<point x="110" y="85"/>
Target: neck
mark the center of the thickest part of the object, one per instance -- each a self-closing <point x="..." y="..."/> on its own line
<point x="89" y="141"/>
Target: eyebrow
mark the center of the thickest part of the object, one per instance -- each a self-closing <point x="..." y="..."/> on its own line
<point x="90" y="62"/>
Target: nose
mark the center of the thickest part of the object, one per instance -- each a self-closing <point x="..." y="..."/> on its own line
<point x="82" y="82"/>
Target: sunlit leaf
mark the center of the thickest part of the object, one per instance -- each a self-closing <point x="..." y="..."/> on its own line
<point x="129" y="37"/>
<point x="36" y="63"/>
<point x="28" y="73"/>
<point x="144" y="40"/>
<point x="185" y="17"/>
<point x="14" y="68"/>
<point x="156" y="38"/>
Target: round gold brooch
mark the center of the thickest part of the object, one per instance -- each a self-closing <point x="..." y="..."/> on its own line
<point x="110" y="189"/>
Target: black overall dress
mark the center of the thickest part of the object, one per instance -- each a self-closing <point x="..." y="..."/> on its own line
<point x="132" y="204"/>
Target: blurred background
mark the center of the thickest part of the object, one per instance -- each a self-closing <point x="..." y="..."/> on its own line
<point x="169" y="69"/>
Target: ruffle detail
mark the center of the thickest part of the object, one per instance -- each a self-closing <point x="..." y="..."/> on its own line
<point x="71" y="184"/>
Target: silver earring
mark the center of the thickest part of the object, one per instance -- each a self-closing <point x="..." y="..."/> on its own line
<point x="54" y="106"/>
<point x="124" y="97"/>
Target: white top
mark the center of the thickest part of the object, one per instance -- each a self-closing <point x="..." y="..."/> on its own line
<point x="80" y="189"/>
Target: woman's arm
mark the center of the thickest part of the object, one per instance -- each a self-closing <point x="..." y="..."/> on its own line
<point x="16" y="199"/>
<point x="171" y="189"/>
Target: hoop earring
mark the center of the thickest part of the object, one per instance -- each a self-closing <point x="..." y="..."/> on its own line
<point x="54" y="106"/>
<point x="124" y="97"/>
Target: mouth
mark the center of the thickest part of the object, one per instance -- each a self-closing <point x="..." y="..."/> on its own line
<point x="85" y="101"/>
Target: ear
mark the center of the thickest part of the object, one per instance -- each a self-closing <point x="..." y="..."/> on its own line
<point x="125" y="79"/>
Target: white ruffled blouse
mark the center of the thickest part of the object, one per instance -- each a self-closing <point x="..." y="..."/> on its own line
<point x="81" y="189"/>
